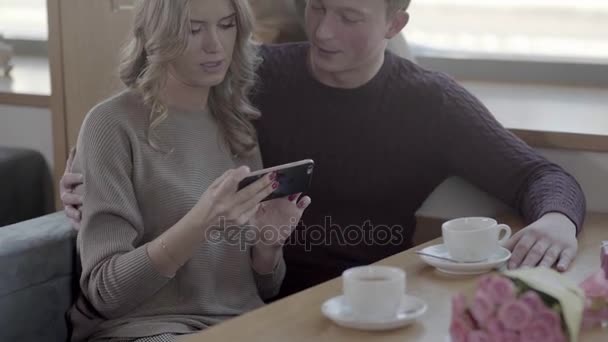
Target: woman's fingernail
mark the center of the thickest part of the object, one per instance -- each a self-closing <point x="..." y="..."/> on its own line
<point x="275" y="185"/>
<point x="292" y="197"/>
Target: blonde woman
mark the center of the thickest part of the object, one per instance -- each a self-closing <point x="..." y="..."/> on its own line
<point x="160" y="162"/>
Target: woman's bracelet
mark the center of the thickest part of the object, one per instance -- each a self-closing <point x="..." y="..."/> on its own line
<point x="164" y="247"/>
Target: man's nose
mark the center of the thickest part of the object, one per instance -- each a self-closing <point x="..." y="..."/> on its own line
<point x="325" y="29"/>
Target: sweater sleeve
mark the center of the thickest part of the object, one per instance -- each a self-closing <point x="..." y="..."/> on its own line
<point x="269" y="284"/>
<point x="477" y="148"/>
<point x="117" y="273"/>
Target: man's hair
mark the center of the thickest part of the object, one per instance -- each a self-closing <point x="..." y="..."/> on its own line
<point x="394" y="5"/>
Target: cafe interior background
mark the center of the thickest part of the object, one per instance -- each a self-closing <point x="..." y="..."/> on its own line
<point x="540" y="66"/>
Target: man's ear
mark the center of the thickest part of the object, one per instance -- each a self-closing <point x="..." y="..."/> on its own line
<point x="398" y="20"/>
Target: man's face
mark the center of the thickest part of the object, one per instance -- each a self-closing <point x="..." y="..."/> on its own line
<point x="346" y="34"/>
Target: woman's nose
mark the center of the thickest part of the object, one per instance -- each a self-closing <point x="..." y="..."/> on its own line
<point x="211" y="42"/>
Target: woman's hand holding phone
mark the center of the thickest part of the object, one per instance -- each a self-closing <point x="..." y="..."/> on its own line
<point x="222" y="204"/>
<point x="275" y="220"/>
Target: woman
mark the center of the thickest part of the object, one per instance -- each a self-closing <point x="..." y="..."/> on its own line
<point x="159" y="161"/>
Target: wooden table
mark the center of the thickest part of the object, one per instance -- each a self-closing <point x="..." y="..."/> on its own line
<point x="299" y="318"/>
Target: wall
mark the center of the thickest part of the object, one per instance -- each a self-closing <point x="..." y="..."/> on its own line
<point x="27" y="127"/>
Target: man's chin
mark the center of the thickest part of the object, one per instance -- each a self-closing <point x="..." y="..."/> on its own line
<point x="327" y="66"/>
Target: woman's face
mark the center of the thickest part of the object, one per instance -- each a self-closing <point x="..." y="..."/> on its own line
<point x="211" y="41"/>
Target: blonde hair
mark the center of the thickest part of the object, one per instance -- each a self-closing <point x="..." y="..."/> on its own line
<point x="160" y="35"/>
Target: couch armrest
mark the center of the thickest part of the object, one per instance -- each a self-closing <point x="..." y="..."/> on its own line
<point x="38" y="275"/>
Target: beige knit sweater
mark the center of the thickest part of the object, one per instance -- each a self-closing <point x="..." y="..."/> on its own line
<point x="132" y="194"/>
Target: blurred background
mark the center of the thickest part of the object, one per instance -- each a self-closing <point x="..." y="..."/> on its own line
<point x="541" y="66"/>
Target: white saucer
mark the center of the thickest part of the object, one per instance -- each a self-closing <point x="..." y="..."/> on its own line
<point x="338" y="311"/>
<point x="497" y="260"/>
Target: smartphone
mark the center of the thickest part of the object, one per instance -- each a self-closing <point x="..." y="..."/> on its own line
<point x="293" y="178"/>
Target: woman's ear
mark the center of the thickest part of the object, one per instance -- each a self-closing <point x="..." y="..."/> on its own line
<point x="397" y="22"/>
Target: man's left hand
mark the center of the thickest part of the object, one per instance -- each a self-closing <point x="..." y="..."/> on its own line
<point x="550" y="239"/>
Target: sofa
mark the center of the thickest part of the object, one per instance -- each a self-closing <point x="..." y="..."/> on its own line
<point x="26" y="183"/>
<point x="38" y="279"/>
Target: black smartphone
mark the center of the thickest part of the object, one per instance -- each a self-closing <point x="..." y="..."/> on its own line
<point x="293" y="178"/>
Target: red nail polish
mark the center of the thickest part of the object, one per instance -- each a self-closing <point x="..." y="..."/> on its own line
<point x="273" y="176"/>
<point x="275" y="185"/>
<point x="292" y="197"/>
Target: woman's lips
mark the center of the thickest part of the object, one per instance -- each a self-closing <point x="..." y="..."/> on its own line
<point x="212" y="66"/>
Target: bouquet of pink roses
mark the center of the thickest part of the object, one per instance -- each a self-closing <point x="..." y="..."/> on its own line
<point x="596" y="300"/>
<point x="604" y="257"/>
<point x="523" y="305"/>
<point x="596" y="294"/>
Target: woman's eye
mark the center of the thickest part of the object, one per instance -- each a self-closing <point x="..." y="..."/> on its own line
<point x="228" y="25"/>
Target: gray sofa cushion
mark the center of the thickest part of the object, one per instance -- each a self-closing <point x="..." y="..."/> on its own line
<point x="38" y="279"/>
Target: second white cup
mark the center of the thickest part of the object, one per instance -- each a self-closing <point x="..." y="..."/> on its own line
<point x="374" y="293"/>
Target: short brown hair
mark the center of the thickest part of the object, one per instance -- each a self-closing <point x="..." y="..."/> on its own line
<point x="394" y="5"/>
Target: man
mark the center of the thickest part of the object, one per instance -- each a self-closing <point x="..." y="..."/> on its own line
<point x="384" y="133"/>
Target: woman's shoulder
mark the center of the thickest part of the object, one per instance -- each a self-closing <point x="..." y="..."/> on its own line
<point x="121" y="111"/>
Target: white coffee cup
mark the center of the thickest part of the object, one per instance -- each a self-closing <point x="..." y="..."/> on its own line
<point x="471" y="239"/>
<point x="373" y="293"/>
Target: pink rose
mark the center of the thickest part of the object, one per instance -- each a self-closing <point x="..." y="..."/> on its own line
<point x="459" y="329"/>
<point x="501" y="289"/>
<point x="604" y="257"/>
<point x="510" y="336"/>
<point x="494" y="326"/>
<point x="533" y="300"/>
<point x="558" y="336"/>
<point x="537" y="331"/>
<point x="484" y="282"/>
<point x="478" y="336"/>
<point x="592" y="318"/>
<point x="459" y="305"/>
<point x="496" y="337"/>
<point x="515" y="315"/>
<point x="482" y="308"/>
<point x="596" y="285"/>
<point x="551" y="317"/>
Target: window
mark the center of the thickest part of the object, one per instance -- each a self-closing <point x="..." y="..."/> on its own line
<point x="553" y="30"/>
<point x="23" y="19"/>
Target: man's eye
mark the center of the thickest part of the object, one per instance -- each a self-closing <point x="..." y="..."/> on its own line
<point x="350" y="20"/>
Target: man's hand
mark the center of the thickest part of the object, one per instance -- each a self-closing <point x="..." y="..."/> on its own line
<point x="71" y="201"/>
<point x="550" y="239"/>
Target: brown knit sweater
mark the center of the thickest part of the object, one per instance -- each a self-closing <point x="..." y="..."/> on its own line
<point x="133" y="193"/>
<point x="380" y="150"/>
